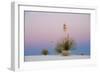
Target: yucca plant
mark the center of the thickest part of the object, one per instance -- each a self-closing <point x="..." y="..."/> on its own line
<point x="64" y="46"/>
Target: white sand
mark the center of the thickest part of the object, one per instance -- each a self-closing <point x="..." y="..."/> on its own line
<point x="54" y="57"/>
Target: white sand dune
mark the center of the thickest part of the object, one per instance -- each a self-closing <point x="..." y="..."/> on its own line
<point x="54" y="57"/>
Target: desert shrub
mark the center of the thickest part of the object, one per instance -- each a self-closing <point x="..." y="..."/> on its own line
<point x="45" y="52"/>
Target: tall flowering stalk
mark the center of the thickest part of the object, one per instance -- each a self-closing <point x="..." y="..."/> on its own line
<point x="66" y="44"/>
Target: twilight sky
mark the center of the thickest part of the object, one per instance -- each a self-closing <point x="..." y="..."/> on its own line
<point x="45" y="29"/>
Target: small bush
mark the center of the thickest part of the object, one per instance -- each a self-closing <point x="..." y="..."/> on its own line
<point x="45" y="52"/>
